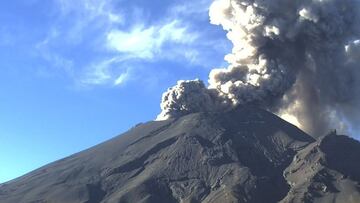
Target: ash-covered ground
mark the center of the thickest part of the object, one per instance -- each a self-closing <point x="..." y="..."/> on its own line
<point x="243" y="155"/>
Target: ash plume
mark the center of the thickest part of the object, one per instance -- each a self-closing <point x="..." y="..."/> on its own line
<point x="187" y="97"/>
<point x="297" y="58"/>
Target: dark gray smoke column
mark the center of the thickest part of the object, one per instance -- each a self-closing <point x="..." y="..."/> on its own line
<point x="297" y="58"/>
<point x="187" y="97"/>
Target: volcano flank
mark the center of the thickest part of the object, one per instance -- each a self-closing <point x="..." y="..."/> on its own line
<point x="243" y="155"/>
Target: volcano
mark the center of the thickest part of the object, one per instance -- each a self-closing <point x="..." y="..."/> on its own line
<point x="243" y="155"/>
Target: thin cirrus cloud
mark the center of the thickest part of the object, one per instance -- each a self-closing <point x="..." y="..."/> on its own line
<point x="89" y="10"/>
<point x="75" y="27"/>
<point x="141" y="43"/>
<point x="112" y="38"/>
<point x="106" y="72"/>
<point x="148" y="42"/>
<point x="121" y="79"/>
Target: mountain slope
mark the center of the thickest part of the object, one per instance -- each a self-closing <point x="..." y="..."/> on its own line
<point x="326" y="171"/>
<point x="244" y="155"/>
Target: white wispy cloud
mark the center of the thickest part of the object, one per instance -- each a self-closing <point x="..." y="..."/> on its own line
<point x="110" y="71"/>
<point x="89" y="10"/>
<point x="68" y="33"/>
<point x="144" y="43"/>
<point x="114" y="41"/>
<point x="122" y="78"/>
<point x="57" y="61"/>
<point x="86" y="16"/>
<point x="98" y="73"/>
<point x="190" y="8"/>
<point x="148" y="42"/>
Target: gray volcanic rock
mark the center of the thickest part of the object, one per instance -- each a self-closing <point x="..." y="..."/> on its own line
<point x="326" y="171"/>
<point x="244" y="155"/>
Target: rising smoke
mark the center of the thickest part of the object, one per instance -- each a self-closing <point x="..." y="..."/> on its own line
<point x="297" y="58"/>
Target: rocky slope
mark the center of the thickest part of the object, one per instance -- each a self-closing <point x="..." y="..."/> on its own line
<point x="326" y="171"/>
<point x="245" y="155"/>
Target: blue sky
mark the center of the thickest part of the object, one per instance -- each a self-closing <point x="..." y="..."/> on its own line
<point x="76" y="73"/>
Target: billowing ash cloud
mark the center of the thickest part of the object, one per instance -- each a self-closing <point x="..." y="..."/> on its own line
<point x="297" y="58"/>
<point x="188" y="97"/>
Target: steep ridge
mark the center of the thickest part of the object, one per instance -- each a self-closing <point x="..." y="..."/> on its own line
<point x="244" y="155"/>
<point x="326" y="171"/>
